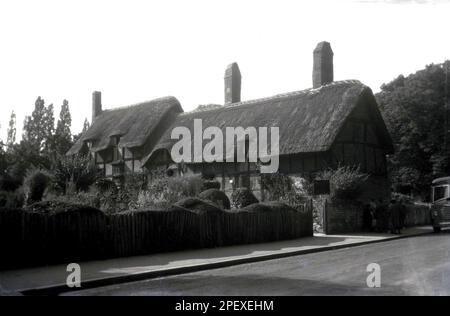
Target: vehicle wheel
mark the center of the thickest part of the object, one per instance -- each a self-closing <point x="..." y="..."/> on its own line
<point x="436" y="229"/>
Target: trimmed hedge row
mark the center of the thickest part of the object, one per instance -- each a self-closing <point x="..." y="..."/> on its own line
<point x="30" y="237"/>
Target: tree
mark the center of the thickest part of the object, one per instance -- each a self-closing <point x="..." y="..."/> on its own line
<point x="35" y="128"/>
<point x="37" y="145"/>
<point x="49" y="131"/>
<point x="63" y="136"/>
<point x="3" y="161"/>
<point x="11" y="131"/>
<point x="414" y="109"/>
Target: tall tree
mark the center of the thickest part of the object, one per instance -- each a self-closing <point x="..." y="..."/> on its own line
<point x="34" y="129"/>
<point x="415" y="109"/>
<point x="3" y="161"/>
<point x="11" y="131"/>
<point x="49" y="130"/>
<point x="37" y="146"/>
<point x="63" y="136"/>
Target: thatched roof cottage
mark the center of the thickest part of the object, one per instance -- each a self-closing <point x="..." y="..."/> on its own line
<point x="333" y="123"/>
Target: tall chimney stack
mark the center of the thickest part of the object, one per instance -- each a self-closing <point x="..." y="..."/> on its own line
<point x="96" y="105"/>
<point x="232" y="84"/>
<point x="323" y="65"/>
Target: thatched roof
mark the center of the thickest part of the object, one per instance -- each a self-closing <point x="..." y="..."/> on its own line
<point x="308" y="120"/>
<point x="134" y="124"/>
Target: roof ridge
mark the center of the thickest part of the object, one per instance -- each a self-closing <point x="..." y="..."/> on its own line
<point x="139" y="103"/>
<point x="278" y="96"/>
<point x="295" y="93"/>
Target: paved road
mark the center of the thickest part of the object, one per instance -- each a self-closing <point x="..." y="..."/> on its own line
<point x="411" y="266"/>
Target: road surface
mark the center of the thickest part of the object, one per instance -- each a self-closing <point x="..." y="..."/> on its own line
<point x="411" y="266"/>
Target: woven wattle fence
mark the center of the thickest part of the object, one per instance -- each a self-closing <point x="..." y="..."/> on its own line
<point x="83" y="233"/>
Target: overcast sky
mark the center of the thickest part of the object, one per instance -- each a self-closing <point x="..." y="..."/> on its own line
<point x="134" y="51"/>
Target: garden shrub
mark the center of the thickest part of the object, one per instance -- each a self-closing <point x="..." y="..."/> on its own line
<point x="78" y="169"/>
<point x="210" y="184"/>
<point x="35" y="184"/>
<point x="189" y="185"/>
<point x="12" y="199"/>
<point x="271" y="206"/>
<point x="255" y="207"/>
<point x="53" y="207"/>
<point x="276" y="185"/>
<point x="242" y="197"/>
<point x="217" y="197"/>
<point x="90" y="198"/>
<point x="9" y="183"/>
<point x="196" y="205"/>
<point x="105" y="195"/>
<point x="163" y="191"/>
<point x="288" y="189"/>
<point x="105" y="185"/>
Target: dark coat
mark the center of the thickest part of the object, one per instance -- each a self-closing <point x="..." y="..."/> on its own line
<point x="395" y="216"/>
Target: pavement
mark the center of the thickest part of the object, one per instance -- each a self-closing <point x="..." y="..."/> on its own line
<point x="51" y="280"/>
<point x="418" y="265"/>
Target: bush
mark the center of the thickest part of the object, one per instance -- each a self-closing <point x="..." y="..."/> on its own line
<point x="12" y="199"/>
<point x="210" y="184"/>
<point x="54" y="207"/>
<point x="35" y="184"/>
<point x="9" y="183"/>
<point x="105" y="195"/>
<point x="79" y="169"/>
<point x="277" y="185"/>
<point x="242" y="197"/>
<point x="345" y="181"/>
<point x="90" y="198"/>
<point x="217" y="197"/>
<point x="163" y="191"/>
<point x="190" y="185"/>
<point x="290" y="190"/>
<point x="105" y="185"/>
<point x="196" y="205"/>
<point x="274" y="207"/>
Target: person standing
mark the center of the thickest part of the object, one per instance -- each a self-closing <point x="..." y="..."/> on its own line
<point x="367" y="218"/>
<point x="403" y="211"/>
<point x="380" y="217"/>
<point x="395" y="217"/>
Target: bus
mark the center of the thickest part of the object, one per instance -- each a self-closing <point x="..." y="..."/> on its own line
<point x="440" y="207"/>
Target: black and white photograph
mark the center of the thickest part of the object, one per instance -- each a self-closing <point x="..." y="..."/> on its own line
<point x="224" y="153"/>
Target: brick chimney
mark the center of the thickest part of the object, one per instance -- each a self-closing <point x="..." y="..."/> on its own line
<point x="323" y="65"/>
<point x="232" y="84"/>
<point x="96" y="105"/>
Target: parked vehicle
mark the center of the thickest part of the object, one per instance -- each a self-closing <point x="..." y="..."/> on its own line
<point x="440" y="207"/>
